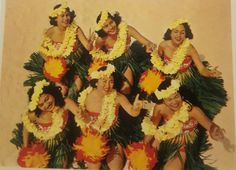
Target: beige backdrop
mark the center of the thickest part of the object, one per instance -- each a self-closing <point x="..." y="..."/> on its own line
<point x="26" y="20"/>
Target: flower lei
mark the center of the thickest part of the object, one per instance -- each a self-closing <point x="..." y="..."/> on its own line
<point x="107" y="115"/>
<point x="178" y="57"/>
<point x="98" y="74"/>
<point x="118" y="48"/>
<point x="100" y="24"/>
<point x="38" y="90"/>
<point x="176" y="23"/>
<point x="49" y="49"/>
<point x="171" y="128"/>
<point x="59" y="10"/>
<point x="57" y="122"/>
<point x="170" y="90"/>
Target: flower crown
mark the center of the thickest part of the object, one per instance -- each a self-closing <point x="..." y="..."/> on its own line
<point x="59" y="10"/>
<point x="176" y="23"/>
<point x="98" y="74"/>
<point x="103" y="18"/>
<point x="38" y="89"/>
<point x="174" y="87"/>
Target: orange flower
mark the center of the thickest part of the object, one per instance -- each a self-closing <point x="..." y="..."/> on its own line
<point x="150" y="80"/>
<point x="141" y="156"/>
<point x="91" y="147"/>
<point x="54" y="69"/>
<point x="33" y="157"/>
<point x="96" y="65"/>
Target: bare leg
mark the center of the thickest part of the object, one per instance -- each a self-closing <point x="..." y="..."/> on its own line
<point x="78" y="84"/>
<point x="126" y="89"/>
<point x="116" y="159"/>
<point x="176" y="163"/>
<point x="92" y="166"/>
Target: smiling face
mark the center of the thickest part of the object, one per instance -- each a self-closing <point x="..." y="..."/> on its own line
<point x="64" y="19"/>
<point x="110" y="27"/>
<point x="46" y="102"/>
<point x="178" y="35"/>
<point x="105" y="84"/>
<point x="174" y="101"/>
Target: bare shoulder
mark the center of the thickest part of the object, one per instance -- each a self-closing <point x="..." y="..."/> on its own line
<point x="32" y="116"/>
<point x="163" y="44"/>
<point x="50" y="31"/>
<point x="100" y="42"/>
<point x="119" y="96"/>
<point x="159" y="109"/>
<point x="194" y="111"/>
<point x="191" y="48"/>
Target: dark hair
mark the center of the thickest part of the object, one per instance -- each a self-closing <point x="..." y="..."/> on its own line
<point x="53" y="21"/>
<point x="52" y="90"/>
<point x="187" y="29"/>
<point x="186" y="93"/>
<point x="93" y="82"/>
<point x="116" y="18"/>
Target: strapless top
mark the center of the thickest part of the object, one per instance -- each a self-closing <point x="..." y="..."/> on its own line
<point x="184" y="66"/>
<point x="46" y="126"/>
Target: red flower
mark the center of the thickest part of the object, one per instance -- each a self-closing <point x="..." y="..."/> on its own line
<point x="91" y="147"/>
<point x="34" y="156"/>
<point x="141" y="156"/>
<point x="54" y="68"/>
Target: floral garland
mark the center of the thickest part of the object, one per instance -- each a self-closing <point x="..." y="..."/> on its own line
<point x="98" y="74"/>
<point x="118" y="48"/>
<point x="174" y="87"/>
<point x="38" y="90"/>
<point x="57" y="122"/>
<point x="107" y="115"/>
<point x="173" y="66"/>
<point x="49" y="49"/>
<point x="104" y="17"/>
<point x="59" y="10"/>
<point x="176" y="23"/>
<point x="171" y="128"/>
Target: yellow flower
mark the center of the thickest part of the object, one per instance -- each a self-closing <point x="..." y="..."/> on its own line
<point x="91" y="147"/>
<point x="171" y="128"/>
<point x="98" y="74"/>
<point x="141" y="156"/>
<point x="49" y="49"/>
<point x="34" y="156"/>
<point x="103" y="18"/>
<point x="107" y="115"/>
<point x="118" y="48"/>
<point x="95" y="66"/>
<point x="54" y="69"/>
<point x="174" y="87"/>
<point x="57" y="122"/>
<point x="176" y="23"/>
<point x="150" y="81"/>
<point x="178" y="57"/>
<point x="38" y="89"/>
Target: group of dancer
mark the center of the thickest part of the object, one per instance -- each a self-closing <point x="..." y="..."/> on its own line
<point x="88" y="97"/>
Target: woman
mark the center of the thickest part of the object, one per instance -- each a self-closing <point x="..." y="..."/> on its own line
<point x="100" y="103"/>
<point x="177" y="127"/>
<point x="46" y="126"/>
<point x="178" y="58"/>
<point x="113" y="46"/>
<point x="63" y="55"/>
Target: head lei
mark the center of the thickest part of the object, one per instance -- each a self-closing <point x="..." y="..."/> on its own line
<point x="38" y="90"/>
<point x="103" y="18"/>
<point x="60" y="10"/>
<point x="99" y="74"/>
<point x="174" y="87"/>
<point x="176" y="23"/>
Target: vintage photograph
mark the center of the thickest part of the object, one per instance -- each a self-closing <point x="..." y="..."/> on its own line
<point x="119" y="85"/>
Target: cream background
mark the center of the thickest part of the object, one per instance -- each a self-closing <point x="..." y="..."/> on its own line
<point x="25" y="22"/>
